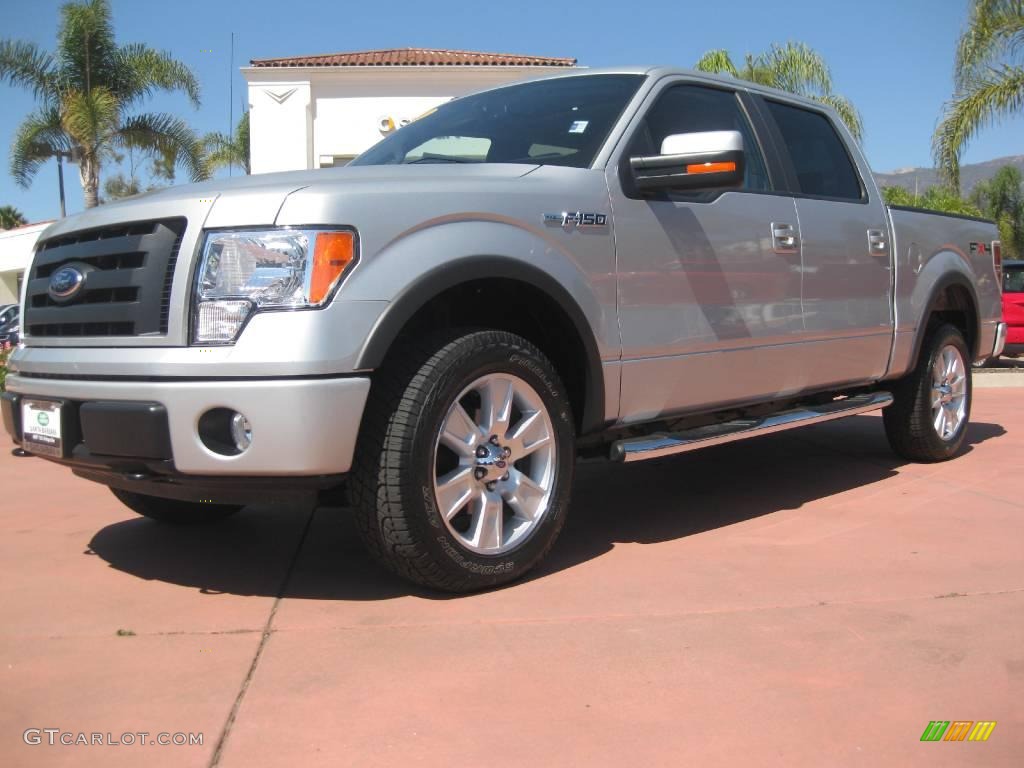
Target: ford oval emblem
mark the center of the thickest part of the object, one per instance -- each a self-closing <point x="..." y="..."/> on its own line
<point x="65" y="283"/>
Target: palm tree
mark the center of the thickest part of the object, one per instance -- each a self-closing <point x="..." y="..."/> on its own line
<point x="86" y="89"/>
<point x="11" y="217"/>
<point x="989" y="79"/>
<point x="223" y="151"/>
<point x="792" y="67"/>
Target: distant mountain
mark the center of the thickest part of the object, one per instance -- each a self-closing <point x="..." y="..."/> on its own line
<point x="970" y="175"/>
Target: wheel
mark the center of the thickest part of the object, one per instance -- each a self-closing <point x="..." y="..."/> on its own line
<point x="932" y="405"/>
<point x="464" y="462"/>
<point x="172" y="511"/>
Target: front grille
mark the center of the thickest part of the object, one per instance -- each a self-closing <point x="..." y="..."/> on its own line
<point x="129" y="270"/>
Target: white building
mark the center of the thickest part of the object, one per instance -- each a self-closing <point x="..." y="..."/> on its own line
<point x="321" y="111"/>
<point x="16" y="247"/>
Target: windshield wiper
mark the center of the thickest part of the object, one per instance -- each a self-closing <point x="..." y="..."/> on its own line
<point x="439" y="160"/>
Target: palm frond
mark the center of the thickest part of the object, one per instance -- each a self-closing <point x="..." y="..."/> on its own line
<point x="999" y="93"/>
<point x="85" y="44"/>
<point x="716" y="62"/>
<point x="40" y="137"/>
<point x="90" y="117"/>
<point x="796" y="68"/>
<point x="25" y="64"/>
<point x="846" y="111"/>
<point x="165" y="134"/>
<point x="995" y="29"/>
<point x="143" y="70"/>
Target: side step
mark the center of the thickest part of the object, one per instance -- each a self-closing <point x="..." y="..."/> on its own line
<point x="660" y="444"/>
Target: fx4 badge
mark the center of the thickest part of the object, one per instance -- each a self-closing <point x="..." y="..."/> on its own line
<point x="978" y="248"/>
<point x="578" y="219"/>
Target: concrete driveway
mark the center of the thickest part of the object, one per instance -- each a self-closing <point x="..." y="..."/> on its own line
<point x="799" y="599"/>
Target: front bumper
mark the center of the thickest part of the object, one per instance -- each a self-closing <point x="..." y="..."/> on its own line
<point x="303" y="429"/>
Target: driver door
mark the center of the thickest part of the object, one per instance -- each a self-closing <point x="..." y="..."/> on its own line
<point x="709" y="282"/>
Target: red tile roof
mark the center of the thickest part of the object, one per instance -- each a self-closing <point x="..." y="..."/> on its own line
<point x="415" y="57"/>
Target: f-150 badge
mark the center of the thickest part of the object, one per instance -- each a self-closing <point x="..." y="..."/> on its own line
<point x="578" y="219"/>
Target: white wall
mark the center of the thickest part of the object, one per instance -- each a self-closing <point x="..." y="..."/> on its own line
<point x="337" y="111"/>
<point x="16" y="247"/>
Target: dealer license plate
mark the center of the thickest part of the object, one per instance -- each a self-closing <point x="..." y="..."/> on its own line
<point x="40" y="428"/>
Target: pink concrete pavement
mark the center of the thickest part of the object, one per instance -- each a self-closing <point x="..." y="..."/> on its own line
<point x="801" y="599"/>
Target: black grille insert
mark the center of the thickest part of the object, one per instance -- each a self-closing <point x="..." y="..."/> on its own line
<point x="129" y="270"/>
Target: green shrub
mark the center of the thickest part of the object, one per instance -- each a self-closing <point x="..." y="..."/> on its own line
<point x="5" y="352"/>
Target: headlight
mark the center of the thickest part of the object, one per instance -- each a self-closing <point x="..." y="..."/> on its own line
<point x="245" y="272"/>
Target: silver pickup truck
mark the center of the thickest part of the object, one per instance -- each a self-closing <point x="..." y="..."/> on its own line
<point x="624" y="263"/>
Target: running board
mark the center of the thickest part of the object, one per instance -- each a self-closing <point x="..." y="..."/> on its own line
<point x="660" y="444"/>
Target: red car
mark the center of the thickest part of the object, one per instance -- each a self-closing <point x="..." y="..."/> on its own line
<point x="1013" y="306"/>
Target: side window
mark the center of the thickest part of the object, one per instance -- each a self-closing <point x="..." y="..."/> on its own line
<point x="693" y="108"/>
<point x="823" y="166"/>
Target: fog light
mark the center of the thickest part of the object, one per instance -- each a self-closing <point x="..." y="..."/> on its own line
<point x="225" y="431"/>
<point x="241" y="432"/>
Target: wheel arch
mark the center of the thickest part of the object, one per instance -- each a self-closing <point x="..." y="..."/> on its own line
<point x="954" y="300"/>
<point x="560" y="327"/>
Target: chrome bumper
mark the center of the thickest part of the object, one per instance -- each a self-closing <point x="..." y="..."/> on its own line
<point x="1000" y="343"/>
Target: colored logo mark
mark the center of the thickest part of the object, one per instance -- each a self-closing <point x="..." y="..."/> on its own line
<point x="43" y="419"/>
<point x="958" y="730"/>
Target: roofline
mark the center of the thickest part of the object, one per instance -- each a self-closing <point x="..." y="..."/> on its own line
<point x="549" y="61"/>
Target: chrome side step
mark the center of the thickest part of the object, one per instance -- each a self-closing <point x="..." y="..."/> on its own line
<point x="660" y="444"/>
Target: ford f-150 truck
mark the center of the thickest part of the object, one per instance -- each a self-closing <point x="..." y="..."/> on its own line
<point x="625" y="263"/>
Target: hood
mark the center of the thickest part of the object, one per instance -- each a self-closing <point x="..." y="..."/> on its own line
<point x="256" y="200"/>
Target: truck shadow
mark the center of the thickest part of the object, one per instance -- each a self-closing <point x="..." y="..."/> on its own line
<point x="257" y="552"/>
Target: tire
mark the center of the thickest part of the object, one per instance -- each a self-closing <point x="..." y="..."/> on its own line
<point x="912" y="422"/>
<point x="173" y="511"/>
<point x="456" y="514"/>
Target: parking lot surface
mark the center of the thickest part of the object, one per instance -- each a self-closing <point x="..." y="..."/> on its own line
<point x="803" y="599"/>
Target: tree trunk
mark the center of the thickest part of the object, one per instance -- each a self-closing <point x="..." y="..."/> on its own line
<point x="89" y="172"/>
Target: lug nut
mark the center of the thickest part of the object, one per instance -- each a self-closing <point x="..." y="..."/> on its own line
<point x="481" y="452"/>
<point x="506" y="452"/>
<point x="505" y="476"/>
<point x="492" y="485"/>
<point x="479" y="473"/>
<point x="493" y="440"/>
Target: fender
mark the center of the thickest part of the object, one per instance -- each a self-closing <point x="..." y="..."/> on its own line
<point x="427" y="286"/>
<point x="944" y="282"/>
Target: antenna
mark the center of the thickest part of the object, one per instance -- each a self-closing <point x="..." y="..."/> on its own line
<point x="231" y="98"/>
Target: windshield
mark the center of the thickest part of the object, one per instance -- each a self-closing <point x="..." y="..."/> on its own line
<point x="562" y="121"/>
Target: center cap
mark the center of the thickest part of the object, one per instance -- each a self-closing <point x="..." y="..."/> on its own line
<point x="493" y="459"/>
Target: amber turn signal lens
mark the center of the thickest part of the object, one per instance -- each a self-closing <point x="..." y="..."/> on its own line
<point x="711" y="168"/>
<point x="333" y="252"/>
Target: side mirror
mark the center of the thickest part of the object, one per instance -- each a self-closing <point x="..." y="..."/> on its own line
<point x="691" y="161"/>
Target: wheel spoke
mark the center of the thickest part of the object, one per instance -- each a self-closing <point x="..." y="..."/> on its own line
<point x="454" y="490"/>
<point x="496" y="400"/>
<point x="940" y="422"/>
<point x="460" y="432"/>
<point x="530" y="434"/>
<point x="488" y="521"/>
<point x="525" y="496"/>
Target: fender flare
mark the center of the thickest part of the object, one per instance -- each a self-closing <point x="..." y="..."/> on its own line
<point x="418" y="293"/>
<point x="946" y="281"/>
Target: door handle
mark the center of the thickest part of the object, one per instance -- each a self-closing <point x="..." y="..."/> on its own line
<point x="877" y="242"/>
<point x="784" y="238"/>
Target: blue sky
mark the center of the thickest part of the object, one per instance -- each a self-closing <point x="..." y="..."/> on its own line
<point x="893" y="58"/>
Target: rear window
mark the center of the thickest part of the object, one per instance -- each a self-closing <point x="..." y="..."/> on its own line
<point x="823" y="166"/>
<point x="1013" y="280"/>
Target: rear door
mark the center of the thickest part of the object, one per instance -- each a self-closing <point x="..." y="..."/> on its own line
<point x="847" y="257"/>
